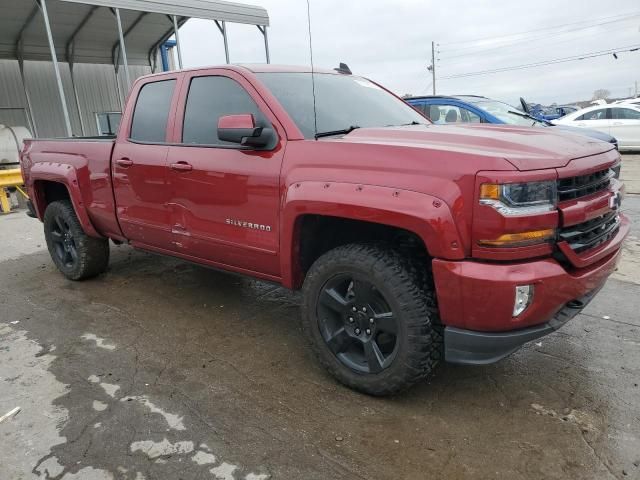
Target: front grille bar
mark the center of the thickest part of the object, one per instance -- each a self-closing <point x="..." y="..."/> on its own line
<point x="585" y="236"/>
<point x="573" y="188"/>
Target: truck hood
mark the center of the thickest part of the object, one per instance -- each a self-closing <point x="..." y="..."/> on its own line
<point x="526" y="148"/>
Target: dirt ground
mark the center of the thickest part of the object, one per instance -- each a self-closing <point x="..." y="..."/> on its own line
<point x="164" y="370"/>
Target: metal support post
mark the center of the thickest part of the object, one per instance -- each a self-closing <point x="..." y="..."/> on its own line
<point x="123" y="49"/>
<point x="56" y="67"/>
<point x="77" y="99"/>
<point x="222" y="26"/>
<point x="118" y="90"/>
<point x="31" y="119"/>
<point x="178" y="46"/>
<point x="263" y="30"/>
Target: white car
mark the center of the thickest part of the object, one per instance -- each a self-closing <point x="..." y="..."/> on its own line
<point x="618" y="120"/>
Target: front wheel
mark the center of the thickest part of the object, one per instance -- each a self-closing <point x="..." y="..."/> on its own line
<point x="369" y="318"/>
<point x="77" y="255"/>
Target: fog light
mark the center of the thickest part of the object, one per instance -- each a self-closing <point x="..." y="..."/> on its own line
<point x="524" y="296"/>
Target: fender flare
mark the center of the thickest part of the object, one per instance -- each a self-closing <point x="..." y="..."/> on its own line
<point x="66" y="175"/>
<point x="425" y="215"/>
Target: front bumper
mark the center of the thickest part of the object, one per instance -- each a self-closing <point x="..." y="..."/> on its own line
<point x="476" y="300"/>
<point x="480" y="348"/>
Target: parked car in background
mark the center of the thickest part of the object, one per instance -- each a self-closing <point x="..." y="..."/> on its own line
<point x="621" y="120"/>
<point x="546" y="113"/>
<point x="565" y="110"/>
<point x="549" y="113"/>
<point x="476" y="109"/>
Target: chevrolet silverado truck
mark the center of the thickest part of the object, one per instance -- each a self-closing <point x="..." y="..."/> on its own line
<point x="412" y="242"/>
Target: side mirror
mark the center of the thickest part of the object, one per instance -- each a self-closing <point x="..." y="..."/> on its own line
<point x="242" y="129"/>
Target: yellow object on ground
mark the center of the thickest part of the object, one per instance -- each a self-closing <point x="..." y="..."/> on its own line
<point x="10" y="178"/>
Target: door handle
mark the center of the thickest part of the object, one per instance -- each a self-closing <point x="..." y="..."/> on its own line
<point x="617" y="123"/>
<point x="124" y="162"/>
<point x="182" y="167"/>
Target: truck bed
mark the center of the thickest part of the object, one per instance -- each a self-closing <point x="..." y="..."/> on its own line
<point x="84" y="165"/>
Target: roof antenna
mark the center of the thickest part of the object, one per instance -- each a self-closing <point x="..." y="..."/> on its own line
<point x="344" y="69"/>
<point x="313" y="82"/>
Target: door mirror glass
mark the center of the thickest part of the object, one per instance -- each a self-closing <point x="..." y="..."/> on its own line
<point x="242" y="129"/>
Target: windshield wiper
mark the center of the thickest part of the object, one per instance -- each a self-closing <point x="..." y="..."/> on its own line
<point x="531" y="117"/>
<point x="521" y="114"/>
<point x="344" y="131"/>
<point x="407" y="124"/>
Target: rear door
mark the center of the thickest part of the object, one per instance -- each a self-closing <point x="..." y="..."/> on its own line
<point x="625" y="126"/>
<point x="139" y="166"/>
<point x="225" y="200"/>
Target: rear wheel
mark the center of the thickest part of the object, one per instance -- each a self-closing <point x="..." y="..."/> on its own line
<point x="369" y="318"/>
<point x="77" y="255"/>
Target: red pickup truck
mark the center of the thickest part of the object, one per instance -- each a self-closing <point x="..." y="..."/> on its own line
<point x="411" y="241"/>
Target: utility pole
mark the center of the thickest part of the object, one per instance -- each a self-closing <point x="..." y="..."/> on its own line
<point x="433" y="65"/>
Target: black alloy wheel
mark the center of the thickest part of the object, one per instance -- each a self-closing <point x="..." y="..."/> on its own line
<point x="64" y="245"/>
<point x="357" y="324"/>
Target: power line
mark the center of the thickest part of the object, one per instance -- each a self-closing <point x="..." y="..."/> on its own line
<point x="630" y="48"/>
<point x="507" y="51"/>
<point x="635" y="13"/>
<point x="481" y="50"/>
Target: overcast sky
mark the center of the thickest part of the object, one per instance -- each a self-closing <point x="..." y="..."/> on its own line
<point x="390" y="42"/>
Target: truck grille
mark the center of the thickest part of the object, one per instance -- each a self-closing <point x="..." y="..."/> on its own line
<point x="583" y="185"/>
<point x="590" y="234"/>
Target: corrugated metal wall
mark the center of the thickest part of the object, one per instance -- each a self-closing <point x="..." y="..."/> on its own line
<point x="97" y="92"/>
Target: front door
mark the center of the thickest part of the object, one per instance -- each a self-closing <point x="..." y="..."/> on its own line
<point x="139" y="167"/>
<point x="224" y="199"/>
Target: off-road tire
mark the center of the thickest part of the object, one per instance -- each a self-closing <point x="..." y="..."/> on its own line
<point x="411" y="298"/>
<point x="92" y="254"/>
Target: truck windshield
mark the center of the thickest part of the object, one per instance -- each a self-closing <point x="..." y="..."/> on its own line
<point x="342" y="102"/>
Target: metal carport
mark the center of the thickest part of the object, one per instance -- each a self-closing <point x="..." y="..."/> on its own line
<point x="127" y="32"/>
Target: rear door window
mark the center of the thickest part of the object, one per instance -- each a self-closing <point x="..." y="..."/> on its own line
<point x="151" y="114"/>
<point x="625" y="114"/>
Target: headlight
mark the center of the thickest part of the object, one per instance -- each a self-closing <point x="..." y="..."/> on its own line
<point x="511" y="199"/>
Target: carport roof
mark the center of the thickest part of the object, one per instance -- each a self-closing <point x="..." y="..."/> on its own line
<point x="85" y="31"/>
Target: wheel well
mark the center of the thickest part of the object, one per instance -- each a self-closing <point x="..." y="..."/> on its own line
<point x="317" y="234"/>
<point x="48" y="192"/>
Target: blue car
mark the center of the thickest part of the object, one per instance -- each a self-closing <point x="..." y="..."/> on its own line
<point x="476" y="109"/>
